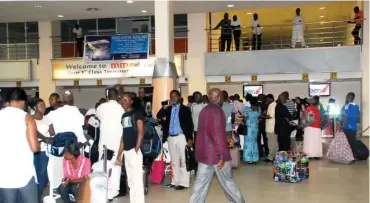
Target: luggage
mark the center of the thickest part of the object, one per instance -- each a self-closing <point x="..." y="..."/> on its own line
<point x="157" y="171"/>
<point x="362" y="152"/>
<point x="190" y="159"/>
<point x="291" y="167"/>
<point x="235" y="157"/>
<point x="339" y="150"/>
<point x="62" y="140"/>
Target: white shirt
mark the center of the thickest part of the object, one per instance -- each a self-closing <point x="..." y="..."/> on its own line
<point x="195" y="111"/>
<point x="43" y="126"/>
<point x="16" y="156"/>
<point x="256" y="30"/>
<point x="78" y="32"/>
<point x="297" y="21"/>
<point x="110" y="115"/>
<point x="236" y="23"/>
<point x="92" y="120"/>
<point x="68" y="119"/>
<point x="270" y="123"/>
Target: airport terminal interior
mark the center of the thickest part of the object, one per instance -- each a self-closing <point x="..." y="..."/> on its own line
<point x="261" y="49"/>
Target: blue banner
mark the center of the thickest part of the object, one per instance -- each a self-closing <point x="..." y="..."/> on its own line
<point x="116" y="47"/>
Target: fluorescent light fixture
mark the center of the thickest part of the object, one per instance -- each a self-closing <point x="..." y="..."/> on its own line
<point x="322" y="8"/>
<point x="322" y="16"/>
<point x="144" y="11"/>
<point x="321" y="40"/>
<point x="249" y="13"/>
<point x="230" y="5"/>
<point x="60" y="16"/>
<point x="38" y="6"/>
<point x="129" y="2"/>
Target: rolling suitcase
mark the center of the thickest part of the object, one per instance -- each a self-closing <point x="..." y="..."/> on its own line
<point x="362" y="152"/>
<point x="235" y="157"/>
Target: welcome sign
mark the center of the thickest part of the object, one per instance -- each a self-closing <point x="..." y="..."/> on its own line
<point x="64" y="69"/>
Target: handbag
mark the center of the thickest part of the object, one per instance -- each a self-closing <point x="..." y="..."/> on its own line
<point x="157" y="171"/>
<point x="190" y="159"/>
<point x="242" y="129"/>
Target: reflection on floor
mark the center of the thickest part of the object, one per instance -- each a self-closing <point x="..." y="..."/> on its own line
<point x="328" y="183"/>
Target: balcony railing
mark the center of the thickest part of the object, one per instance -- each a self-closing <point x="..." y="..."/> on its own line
<point x="316" y="34"/>
<point x="65" y="49"/>
<point x="19" y="48"/>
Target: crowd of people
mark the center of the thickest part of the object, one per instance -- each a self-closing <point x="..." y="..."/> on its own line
<point x="232" y="30"/>
<point x="212" y="124"/>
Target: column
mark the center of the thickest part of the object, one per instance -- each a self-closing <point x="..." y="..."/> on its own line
<point x="197" y="47"/>
<point x="165" y="74"/>
<point x="365" y="121"/>
<point x="46" y="30"/>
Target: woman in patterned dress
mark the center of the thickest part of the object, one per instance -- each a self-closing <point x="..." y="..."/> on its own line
<point x="250" y="152"/>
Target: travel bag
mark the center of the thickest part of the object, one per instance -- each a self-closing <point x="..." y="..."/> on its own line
<point x="235" y="157"/>
<point x="158" y="170"/>
<point x="190" y="159"/>
<point x="290" y="167"/>
<point x="362" y="152"/>
<point x="339" y="150"/>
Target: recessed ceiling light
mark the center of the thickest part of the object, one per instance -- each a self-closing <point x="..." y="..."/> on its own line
<point x="230" y="5"/>
<point x="322" y="16"/>
<point x="60" y="16"/>
<point x="129" y="2"/>
<point x="249" y="13"/>
<point x="321" y="40"/>
<point x="144" y="11"/>
<point x="38" y="6"/>
<point x="322" y="8"/>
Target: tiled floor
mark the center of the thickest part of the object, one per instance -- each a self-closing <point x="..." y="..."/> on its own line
<point x="328" y="183"/>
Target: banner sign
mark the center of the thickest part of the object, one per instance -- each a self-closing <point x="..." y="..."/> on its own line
<point x="64" y="69"/>
<point x="254" y="90"/>
<point x="322" y="89"/>
<point x="116" y="47"/>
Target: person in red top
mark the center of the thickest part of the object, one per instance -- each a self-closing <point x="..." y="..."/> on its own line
<point x="212" y="154"/>
<point x="359" y="16"/>
<point x="312" y="143"/>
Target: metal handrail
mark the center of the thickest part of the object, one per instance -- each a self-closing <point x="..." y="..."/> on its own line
<point x="278" y="37"/>
<point x="19" y="48"/>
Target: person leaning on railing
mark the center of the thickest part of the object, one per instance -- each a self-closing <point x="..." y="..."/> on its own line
<point x="359" y="15"/>
<point x="225" y="25"/>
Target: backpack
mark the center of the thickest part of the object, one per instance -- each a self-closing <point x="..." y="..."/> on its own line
<point x="152" y="144"/>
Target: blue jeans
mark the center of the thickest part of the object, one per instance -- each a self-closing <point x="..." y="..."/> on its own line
<point x="65" y="191"/>
<point x="26" y="194"/>
<point x="41" y="163"/>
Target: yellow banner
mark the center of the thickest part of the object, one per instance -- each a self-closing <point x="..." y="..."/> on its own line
<point x="64" y="69"/>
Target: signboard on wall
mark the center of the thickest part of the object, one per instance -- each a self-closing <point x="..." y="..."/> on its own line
<point x="63" y="69"/>
<point x="116" y="47"/>
<point x="254" y="90"/>
<point x="319" y="89"/>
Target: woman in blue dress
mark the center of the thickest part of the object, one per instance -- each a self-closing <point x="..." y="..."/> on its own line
<point x="250" y="151"/>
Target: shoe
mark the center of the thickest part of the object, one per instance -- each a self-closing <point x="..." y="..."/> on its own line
<point x="180" y="187"/>
<point x="170" y="186"/>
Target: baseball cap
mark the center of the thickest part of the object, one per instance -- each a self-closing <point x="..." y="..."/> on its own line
<point x="67" y="96"/>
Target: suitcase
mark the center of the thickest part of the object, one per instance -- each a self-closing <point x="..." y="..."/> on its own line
<point x="290" y="167"/>
<point x="362" y="152"/>
<point x="235" y="157"/>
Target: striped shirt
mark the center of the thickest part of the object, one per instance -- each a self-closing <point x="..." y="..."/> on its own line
<point x="211" y="143"/>
<point x="290" y="105"/>
<point x="82" y="170"/>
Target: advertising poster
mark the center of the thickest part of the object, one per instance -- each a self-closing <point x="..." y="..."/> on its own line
<point x="63" y="69"/>
<point x="254" y="90"/>
<point x="319" y="89"/>
<point x="116" y="47"/>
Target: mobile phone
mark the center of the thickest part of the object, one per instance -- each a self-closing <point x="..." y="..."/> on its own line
<point x="165" y="103"/>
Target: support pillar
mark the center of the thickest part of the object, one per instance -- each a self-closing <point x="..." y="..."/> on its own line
<point x="164" y="76"/>
<point x="46" y="30"/>
<point x="365" y="110"/>
<point x="195" y="65"/>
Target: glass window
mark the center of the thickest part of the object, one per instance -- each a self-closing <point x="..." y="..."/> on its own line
<point x="16" y="32"/>
<point x="88" y="26"/>
<point x="180" y="20"/>
<point x="66" y="27"/>
<point x="32" y="31"/>
<point x="106" y="26"/>
<point x="3" y="33"/>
